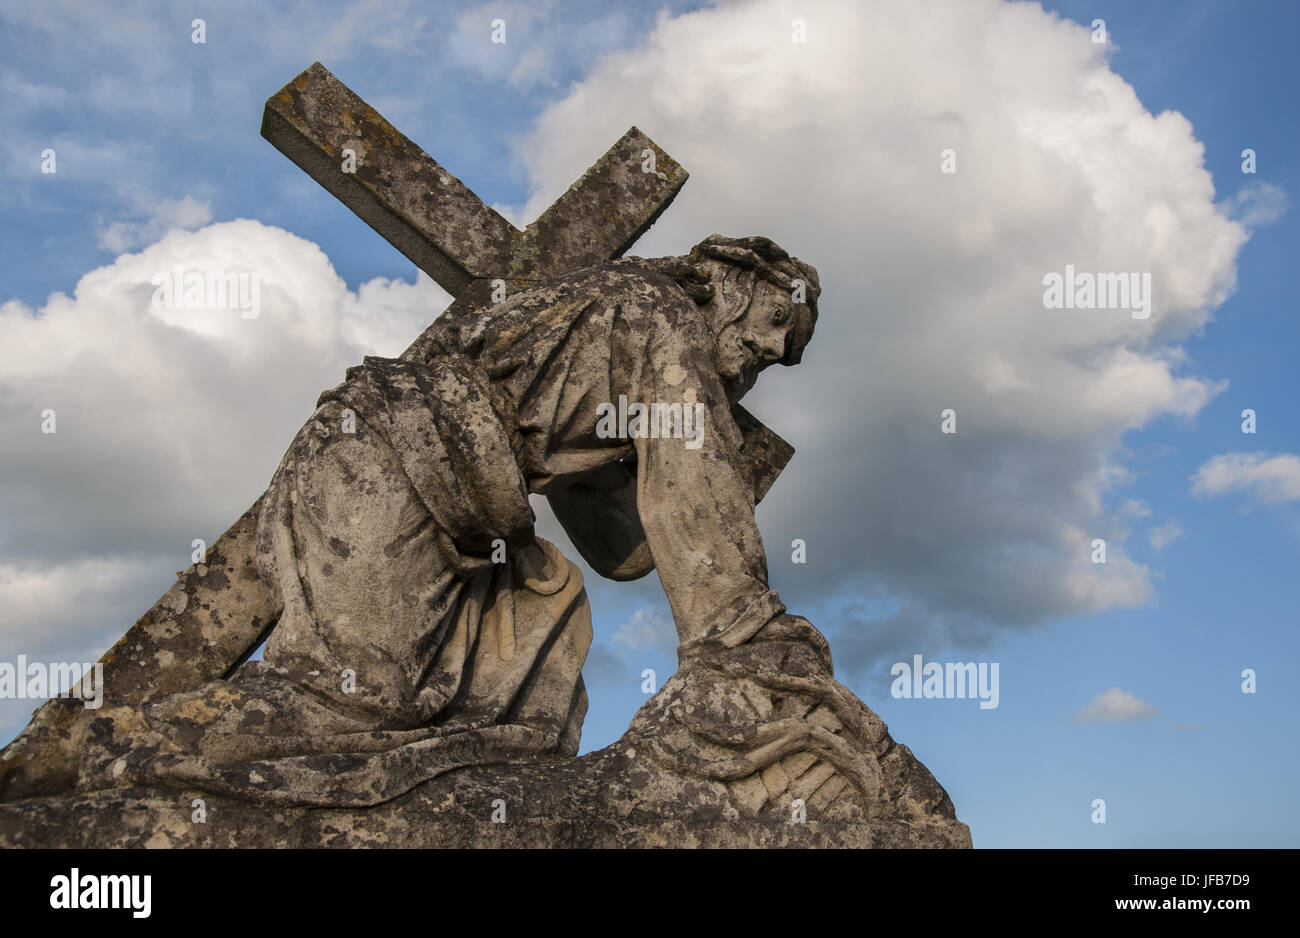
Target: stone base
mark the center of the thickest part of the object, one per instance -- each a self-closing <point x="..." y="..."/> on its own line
<point x="612" y="798"/>
<point x="753" y="746"/>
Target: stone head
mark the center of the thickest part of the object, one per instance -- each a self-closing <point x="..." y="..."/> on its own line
<point x="760" y="302"/>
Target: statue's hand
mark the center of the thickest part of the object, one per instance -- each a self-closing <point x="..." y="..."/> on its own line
<point x="791" y="628"/>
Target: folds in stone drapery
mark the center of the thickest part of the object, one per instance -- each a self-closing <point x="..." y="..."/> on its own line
<point x="266" y="735"/>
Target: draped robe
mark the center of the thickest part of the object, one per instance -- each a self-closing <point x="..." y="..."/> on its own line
<point x="424" y="626"/>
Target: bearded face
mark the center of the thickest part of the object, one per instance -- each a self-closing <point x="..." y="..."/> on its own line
<point x="758" y="317"/>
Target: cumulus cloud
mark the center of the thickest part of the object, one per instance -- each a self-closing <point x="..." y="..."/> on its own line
<point x="933" y="300"/>
<point x="933" y="283"/>
<point x="1114" y="706"/>
<point x="167" y="422"/>
<point x="152" y="405"/>
<point x="1268" y="478"/>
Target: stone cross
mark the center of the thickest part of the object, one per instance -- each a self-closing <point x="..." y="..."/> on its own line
<point x="219" y="611"/>
<point x="449" y="233"/>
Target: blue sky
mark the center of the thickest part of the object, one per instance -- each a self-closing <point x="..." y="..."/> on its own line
<point x="146" y="142"/>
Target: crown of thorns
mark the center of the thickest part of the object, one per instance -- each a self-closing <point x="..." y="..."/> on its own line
<point x="772" y="263"/>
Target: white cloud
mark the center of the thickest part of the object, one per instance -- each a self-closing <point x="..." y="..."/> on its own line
<point x="648" y="629"/>
<point x="538" y="44"/>
<point x="1115" y="706"/>
<point x="933" y="282"/>
<point x="1164" y="535"/>
<point x="161" y="216"/>
<point x="1267" y="478"/>
<point x="1256" y="204"/>
<point x="71" y="612"/>
<point x="43" y="603"/>
<point x="1133" y="508"/>
<point x="169" y="422"/>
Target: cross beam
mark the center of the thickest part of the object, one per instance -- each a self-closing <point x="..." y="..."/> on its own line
<point x="219" y="611"/>
<point x="434" y="219"/>
<point x="448" y="232"/>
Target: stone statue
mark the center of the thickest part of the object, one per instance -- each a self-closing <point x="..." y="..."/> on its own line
<point x="425" y="647"/>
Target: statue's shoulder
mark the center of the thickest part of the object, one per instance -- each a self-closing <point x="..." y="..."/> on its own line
<point x="635" y="286"/>
<point x="375" y="376"/>
<point x="641" y="294"/>
<point x="651" y="277"/>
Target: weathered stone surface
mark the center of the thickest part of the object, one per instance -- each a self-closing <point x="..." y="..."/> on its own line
<point x="425" y="647"/>
<point x="397" y="189"/>
<point x="220" y="611"/>
<point x="631" y="794"/>
<point x="200" y="630"/>
<point x="586" y="803"/>
<point x="601" y="215"/>
<point x="435" y="220"/>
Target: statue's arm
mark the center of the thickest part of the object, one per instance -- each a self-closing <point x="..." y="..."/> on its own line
<point x="696" y="496"/>
<point x="599" y="513"/>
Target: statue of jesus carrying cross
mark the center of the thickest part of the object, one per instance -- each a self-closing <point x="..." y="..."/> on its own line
<point x="419" y="623"/>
